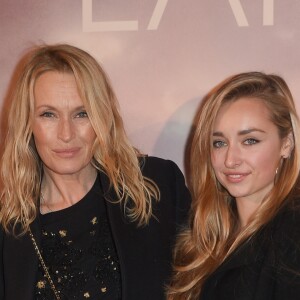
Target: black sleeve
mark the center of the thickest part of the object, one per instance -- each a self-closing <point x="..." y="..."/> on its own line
<point x="288" y="257"/>
<point x="175" y="199"/>
<point x="1" y="266"/>
<point x="183" y="197"/>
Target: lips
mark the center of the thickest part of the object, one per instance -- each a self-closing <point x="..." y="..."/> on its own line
<point x="235" y="177"/>
<point x="66" y="153"/>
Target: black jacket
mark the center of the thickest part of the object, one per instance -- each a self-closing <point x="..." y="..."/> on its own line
<point x="266" y="267"/>
<point x="144" y="252"/>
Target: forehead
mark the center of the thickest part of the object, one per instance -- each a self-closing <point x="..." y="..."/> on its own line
<point x="54" y="78"/>
<point x="244" y="112"/>
<point x="55" y="87"/>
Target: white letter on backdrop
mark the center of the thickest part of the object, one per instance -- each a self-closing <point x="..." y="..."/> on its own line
<point x="157" y="14"/>
<point x="238" y="12"/>
<point x="268" y="15"/>
<point x="89" y="26"/>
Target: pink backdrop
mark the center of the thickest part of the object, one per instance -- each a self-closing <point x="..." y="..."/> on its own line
<point x="162" y="56"/>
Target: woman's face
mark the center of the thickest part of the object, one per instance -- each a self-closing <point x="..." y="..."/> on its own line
<point x="246" y="149"/>
<point x="62" y="131"/>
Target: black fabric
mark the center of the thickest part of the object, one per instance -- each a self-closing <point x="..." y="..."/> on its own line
<point x="79" y="252"/>
<point x="266" y="267"/>
<point x="144" y="252"/>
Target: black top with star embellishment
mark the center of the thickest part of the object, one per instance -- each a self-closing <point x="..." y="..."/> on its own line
<point x="78" y="249"/>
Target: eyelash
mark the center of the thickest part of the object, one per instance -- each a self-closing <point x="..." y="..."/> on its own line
<point x="248" y="142"/>
<point x="82" y="114"/>
<point x="218" y="144"/>
<point x="251" y="141"/>
<point x="48" y="114"/>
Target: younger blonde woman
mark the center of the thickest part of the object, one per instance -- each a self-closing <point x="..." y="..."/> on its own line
<point x="244" y="237"/>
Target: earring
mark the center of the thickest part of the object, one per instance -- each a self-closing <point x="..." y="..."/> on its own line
<point x="278" y="168"/>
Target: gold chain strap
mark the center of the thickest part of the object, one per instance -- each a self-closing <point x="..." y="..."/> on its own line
<point x="37" y="250"/>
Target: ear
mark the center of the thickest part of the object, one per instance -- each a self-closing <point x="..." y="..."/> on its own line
<point x="287" y="145"/>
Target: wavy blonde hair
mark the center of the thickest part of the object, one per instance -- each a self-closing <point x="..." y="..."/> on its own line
<point x="213" y="232"/>
<point x="21" y="167"/>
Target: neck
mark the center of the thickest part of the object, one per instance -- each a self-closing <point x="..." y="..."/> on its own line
<point x="61" y="191"/>
<point x="246" y="208"/>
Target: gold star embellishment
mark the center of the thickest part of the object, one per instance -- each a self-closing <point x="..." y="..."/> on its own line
<point x="63" y="233"/>
<point x="94" y="221"/>
<point x="86" y="295"/>
<point x="41" y="284"/>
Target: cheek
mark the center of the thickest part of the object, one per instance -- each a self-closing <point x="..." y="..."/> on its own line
<point x="41" y="144"/>
<point x="216" y="165"/>
<point x="216" y="160"/>
<point x="40" y="135"/>
<point x="267" y="163"/>
<point x="89" y="136"/>
<point x="267" y="157"/>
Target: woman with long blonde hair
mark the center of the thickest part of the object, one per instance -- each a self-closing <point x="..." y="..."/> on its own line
<point x="244" y="237"/>
<point x="83" y="215"/>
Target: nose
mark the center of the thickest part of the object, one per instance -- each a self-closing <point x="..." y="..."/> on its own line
<point x="233" y="157"/>
<point x="65" y="130"/>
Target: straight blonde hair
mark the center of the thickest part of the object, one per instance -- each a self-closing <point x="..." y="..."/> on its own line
<point x="213" y="233"/>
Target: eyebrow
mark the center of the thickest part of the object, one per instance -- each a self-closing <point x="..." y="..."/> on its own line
<point x="45" y="106"/>
<point x="242" y="132"/>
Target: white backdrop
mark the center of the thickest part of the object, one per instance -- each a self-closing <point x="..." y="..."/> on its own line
<point x="162" y="56"/>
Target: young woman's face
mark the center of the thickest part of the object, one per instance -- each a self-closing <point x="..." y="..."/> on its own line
<point x="246" y="149"/>
<point x="62" y="131"/>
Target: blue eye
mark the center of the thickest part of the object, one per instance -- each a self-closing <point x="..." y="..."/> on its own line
<point x="219" y="144"/>
<point x="251" y="141"/>
<point x="82" y="114"/>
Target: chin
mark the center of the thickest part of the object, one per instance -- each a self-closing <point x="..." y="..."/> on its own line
<point x="237" y="194"/>
<point x="71" y="170"/>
